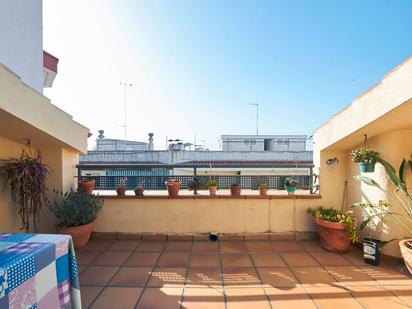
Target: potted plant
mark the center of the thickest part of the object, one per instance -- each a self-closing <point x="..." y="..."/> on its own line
<point x="366" y="159"/>
<point x="86" y="185"/>
<point x="235" y="189"/>
<point x="121" y="188"/>
<point x="212" y="185"/>
<point x="75" y="213"/>
<point x="138" y="191"/>
<point x="263" y="189"/>
<point x="336" y="229"/>
<point x="27" y="178"/>
<point x="290" y="185"/>
<point x="401" y="197"/>
<point x="173" y="187"/>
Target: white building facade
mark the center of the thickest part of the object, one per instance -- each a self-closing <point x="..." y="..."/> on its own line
<point x="263" y="142"/>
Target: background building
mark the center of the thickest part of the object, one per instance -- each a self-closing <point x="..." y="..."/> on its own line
<point x="263" y="142"/>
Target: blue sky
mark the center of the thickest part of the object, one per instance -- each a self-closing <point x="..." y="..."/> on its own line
<point x="196" y="65"/>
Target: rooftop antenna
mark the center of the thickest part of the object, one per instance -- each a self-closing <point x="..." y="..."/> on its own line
<point x="125" y="85"/>
<point x="257" y="116"/>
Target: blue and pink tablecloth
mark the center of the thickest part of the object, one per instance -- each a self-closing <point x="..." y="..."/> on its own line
<point x="38" y="271"/>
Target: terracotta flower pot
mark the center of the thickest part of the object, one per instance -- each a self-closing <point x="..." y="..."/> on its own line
<point x="212" y="190"/>
<point x="80" y="234"/>
<point x="86" y="186"/>
<point x="173" y="188"/>
<point x="121" y="191"/>
<point x="407" y="253"/>
<point x="139" y="191"/>
<point x="235" y="190"/>
<point x="263" y="191"/>
<point x="333" y="236"/>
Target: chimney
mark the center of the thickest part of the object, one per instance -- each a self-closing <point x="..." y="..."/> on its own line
<point x="101" y="132"/>
<point x="151" y="146"/>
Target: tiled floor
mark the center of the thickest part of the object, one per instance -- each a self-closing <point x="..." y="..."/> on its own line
<point x="235" y="274"/>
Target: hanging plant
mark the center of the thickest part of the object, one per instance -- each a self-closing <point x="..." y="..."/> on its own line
<point x="27" y="178"/>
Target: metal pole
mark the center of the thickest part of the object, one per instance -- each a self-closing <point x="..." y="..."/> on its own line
<point x="257" y="116"/>
<point x="125" y="106"/>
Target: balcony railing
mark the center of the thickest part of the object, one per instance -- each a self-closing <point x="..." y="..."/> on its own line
<point x="108" y="176"/>
<point x="223" y="182"/>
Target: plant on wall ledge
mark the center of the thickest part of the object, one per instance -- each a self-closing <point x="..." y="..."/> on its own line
<point x="401" y="197"/>
<point x="366" y="159"/>
<point x="27" y="178"/>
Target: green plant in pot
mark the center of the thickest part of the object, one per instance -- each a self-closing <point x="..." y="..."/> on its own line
<point x="263" y="189"/>
<point x="212" y="185"/>
<point x="336" y="229"/>
<point x="75" y="213"/>
<point x="366" y="159"/>
<point x="290" y="185"/>
<point x="401" y="197"/>
<point x="26" y="176"/>
<point x="235" y="189"/>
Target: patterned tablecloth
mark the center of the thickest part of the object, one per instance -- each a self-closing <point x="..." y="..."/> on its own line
<point x="38" y="271"/>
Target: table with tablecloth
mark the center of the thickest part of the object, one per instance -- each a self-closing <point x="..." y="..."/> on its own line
<point x="38" y="271"/>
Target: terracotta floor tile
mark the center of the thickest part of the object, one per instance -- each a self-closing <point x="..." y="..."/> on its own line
<point x="204" y="277"/>
<point x="142" y="259"/>
<point x="355" y="256"/>
<point x="330" y="259"/>
<point x="97" y="275"/>
<point x="313" y="276"/>
<point x="264" y="259"/>
<point x="311" y="246"/>
<point x="377" y="297"/>
<point x="387" y="276"/>
<point x="205" y="260"/>
<point x="286" y="246"/>
<point x="233" y="247"/>
<point x="160" y="298"/>
<point x="123" y="245"/>
<point x="151" y="246"/>
<point x="174" y="259"/>
<point x="117" y="298"/>
<point x="259" y="246"/>
<point x="236" y="260"/>
<point x="86" y="257"/>
<point x="131" y="276"/>
<point x="205" y="246"/>
<point x="111" y="258"/>
<point x="241" y="276"/>
<point x="88" y="294"/>
<point x="350" y="275"/>
<point x="299" y="259"/>
<point x="290" y="298"/>
<point x="279" y="277"/>
<point x="333" y="297"/>
<point x="96" y="245"/>
<point x="178" y="246"/>
<point x="199" y="298"/>
<point x="404" y="292"/>
<point x="167" y="276"/>
<point x="246" y="298"/>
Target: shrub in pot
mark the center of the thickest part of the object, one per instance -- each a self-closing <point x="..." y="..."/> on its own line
<point x="138" y="191"/>
<point x="212" y="185"/>
<point x="263" y="189"/>
<point x="86" y="185"/>
<point x="366" y="159"/>
<point x="235" y="189"/>
<point x="290" y="185"/>
<point x="336" y="229"/>
<point x="400" y="197"/>
<point x="75" y="213"/>
<point x="121" y="188"/>
<point x="173" y="187"/>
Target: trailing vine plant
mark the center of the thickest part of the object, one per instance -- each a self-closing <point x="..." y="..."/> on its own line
<point x="26" y="176"/>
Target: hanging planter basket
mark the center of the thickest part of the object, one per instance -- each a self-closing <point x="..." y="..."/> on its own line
<point x="367" y="167"/>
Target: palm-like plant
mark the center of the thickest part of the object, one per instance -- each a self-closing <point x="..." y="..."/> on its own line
<point x="400" y="197"/>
